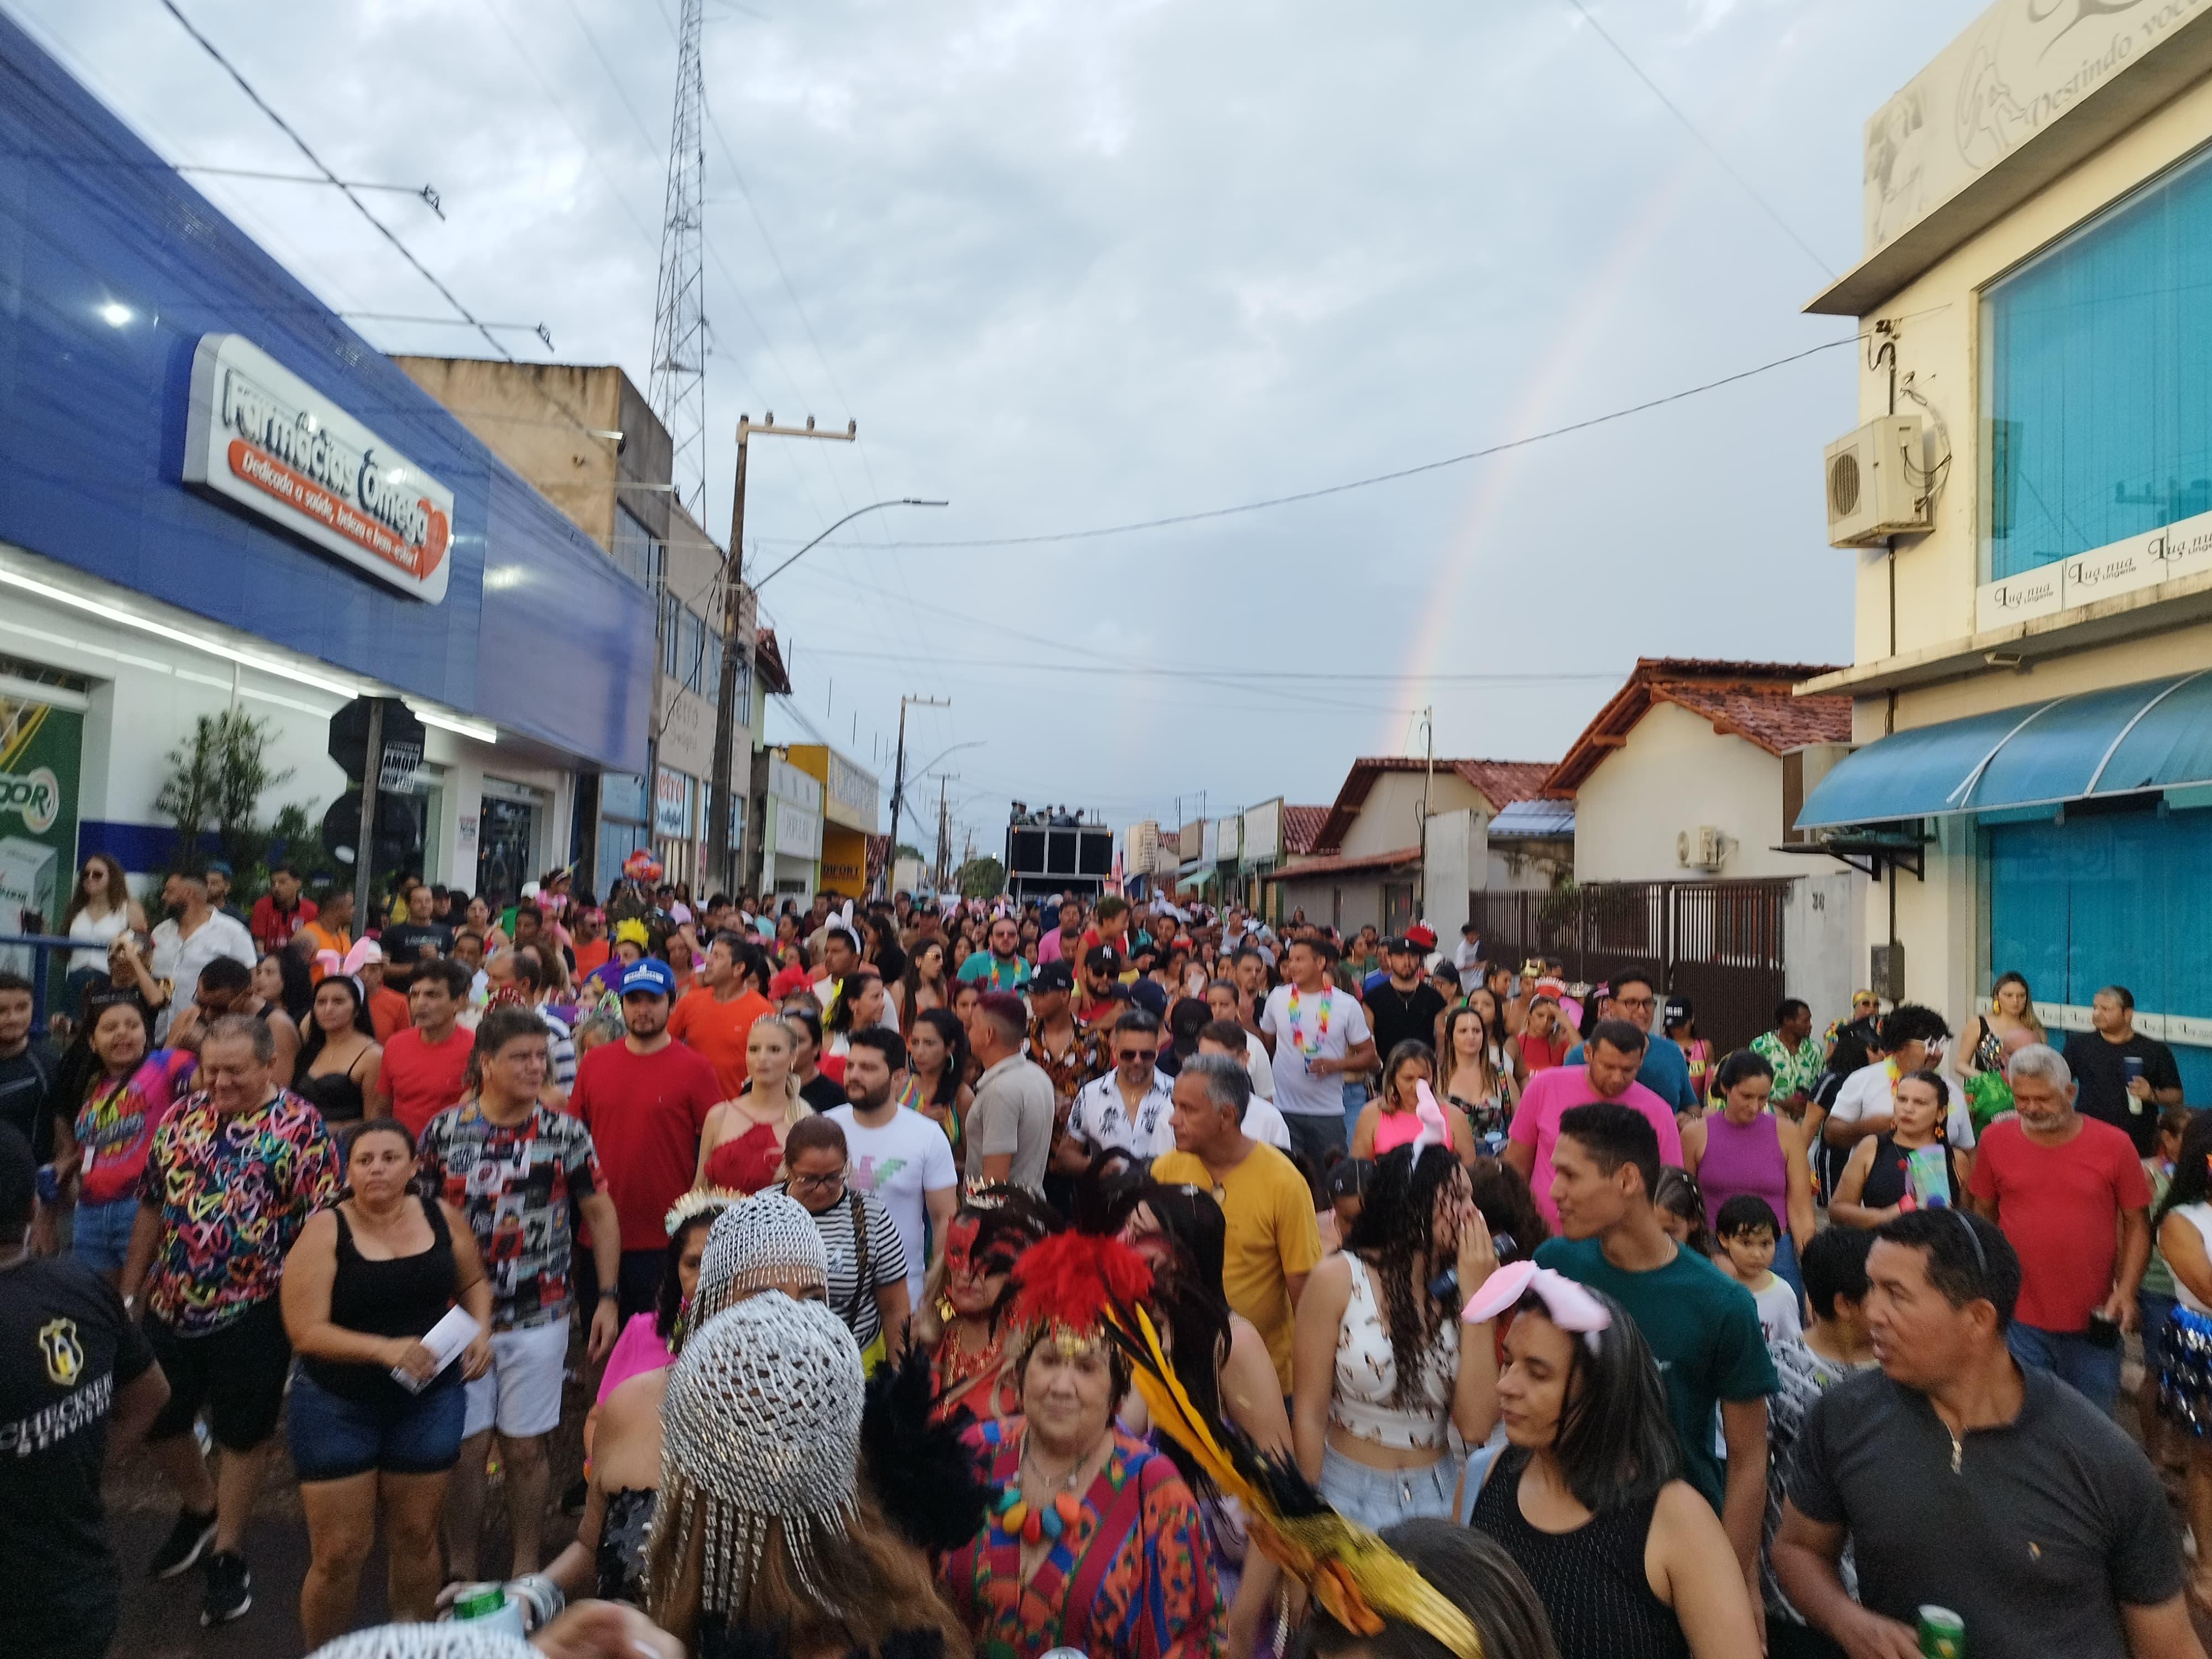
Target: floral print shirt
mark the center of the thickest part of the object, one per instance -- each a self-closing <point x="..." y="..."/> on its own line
<point x="232" y="1193"/>
<point x="1794" y="1074"/>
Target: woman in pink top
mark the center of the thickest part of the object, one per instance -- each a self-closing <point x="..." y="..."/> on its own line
<point x="122" y="1095"/>
<point x="1387" y="1122"/>
<point x="1746" y="1148"/>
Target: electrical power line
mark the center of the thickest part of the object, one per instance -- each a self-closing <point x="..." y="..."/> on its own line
<point x="1176" y="519"/>
<point x="360" y="206"/>
<point x="1711" y="148"/>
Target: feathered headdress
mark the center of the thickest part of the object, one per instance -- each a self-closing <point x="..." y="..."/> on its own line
<point x="1068" y="1285"/>
<point x="1359" y="1580"/>
<point x="920" y="1471"/>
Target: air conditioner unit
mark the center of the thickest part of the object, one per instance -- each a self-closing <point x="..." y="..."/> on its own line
<point x="1702" y="848"/>
<point x="1877" y="483"/>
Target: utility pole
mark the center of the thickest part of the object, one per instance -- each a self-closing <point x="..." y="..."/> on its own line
<point x="738" y="646"/>
<point x="898" y="780"/>
<point x="944" y="834"/>
<point x="1428" y="782"/>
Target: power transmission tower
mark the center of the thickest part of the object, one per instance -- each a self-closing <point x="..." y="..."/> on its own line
<point x="679" y="391"/>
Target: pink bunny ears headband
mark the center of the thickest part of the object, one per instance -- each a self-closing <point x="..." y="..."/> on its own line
<point x="1571" y="1307"/>
<point x="364" y="951"/>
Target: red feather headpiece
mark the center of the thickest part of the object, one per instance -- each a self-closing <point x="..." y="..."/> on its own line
<point x="1072" y="1280"/>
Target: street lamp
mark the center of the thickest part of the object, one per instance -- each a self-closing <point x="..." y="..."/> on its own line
<point x="902" y="500"/>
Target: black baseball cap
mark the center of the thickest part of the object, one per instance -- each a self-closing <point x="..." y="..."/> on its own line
<point x="1053" y="976"/>
<point x="1347" y="1178"/>
<point x="1106" y="957"/>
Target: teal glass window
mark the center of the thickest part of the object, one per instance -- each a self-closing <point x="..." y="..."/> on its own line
<point x="2097" y="380"/>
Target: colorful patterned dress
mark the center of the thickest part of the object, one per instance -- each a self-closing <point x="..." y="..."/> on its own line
<point x="1131" y="1579"/>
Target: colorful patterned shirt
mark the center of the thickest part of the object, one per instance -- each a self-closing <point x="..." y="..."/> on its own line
<point x="1794" y="1074"/>
<point x="515" y="1182"/>
<point x="1071" y="1066"/>
<point x="1133" y="1578"/>
<point x="232" y="1193"/>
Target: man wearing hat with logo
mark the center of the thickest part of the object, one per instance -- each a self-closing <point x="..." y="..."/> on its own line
<point x="646" y="1100"/>
<point x="1405" y="1005"/>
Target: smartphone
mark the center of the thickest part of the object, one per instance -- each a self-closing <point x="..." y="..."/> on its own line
<point x="2103" y="1333"/>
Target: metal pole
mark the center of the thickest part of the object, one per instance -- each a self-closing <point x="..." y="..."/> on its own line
<point x="898" y="787"/>
<point x="364" y="853"/>
<point x="734" y="650"/>
<point x="1428" y="781"/>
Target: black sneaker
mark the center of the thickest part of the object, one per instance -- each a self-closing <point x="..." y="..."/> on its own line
<point x="229" y="1588"/>
<point x="192" y="1534"/>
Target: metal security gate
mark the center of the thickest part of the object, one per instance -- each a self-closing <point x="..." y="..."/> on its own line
<point x="1718" y="943"/>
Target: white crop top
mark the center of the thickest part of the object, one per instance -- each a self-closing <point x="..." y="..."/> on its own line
<point x="2199" y="1216"/>
<point x="1367" y="1375"/>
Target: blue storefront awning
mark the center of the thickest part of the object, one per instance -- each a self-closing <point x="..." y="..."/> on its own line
<point x="2128" y="739"/>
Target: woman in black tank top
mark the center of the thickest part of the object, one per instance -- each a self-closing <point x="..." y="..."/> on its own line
<point x="1874" y="1185"/>
<point x="366" y="1281"/>
<point x="1629" y="1560"/>
<point x="339" y="1040"/>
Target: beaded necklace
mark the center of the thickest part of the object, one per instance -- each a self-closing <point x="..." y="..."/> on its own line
<point x="1038" y="1517"/>
<point x="1310" y="1048"/>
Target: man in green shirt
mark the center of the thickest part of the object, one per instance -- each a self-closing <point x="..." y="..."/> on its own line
<point x="1702" y="1325"/>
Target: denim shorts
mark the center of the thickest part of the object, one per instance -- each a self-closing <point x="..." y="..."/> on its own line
<point x="102" y="1238"/>
<point x="1380" y="1498"/>
<point x="334" y="1436"/>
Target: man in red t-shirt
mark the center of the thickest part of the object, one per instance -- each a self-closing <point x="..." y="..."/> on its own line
<point x="281" y="912"/>
<point x="717" y="1018"/>
<point x="645" y="1100"/>
<point x="426" y="1067"/>
<point x="2070" y="1193"/>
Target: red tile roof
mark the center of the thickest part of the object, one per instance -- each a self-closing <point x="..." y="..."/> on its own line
<point x="1301" y="825"/>
<point x="767" y="662"/>
<point x="1753" y="700"/>
<point x="1499" y="782"/>
<point x="1338" y="865"/>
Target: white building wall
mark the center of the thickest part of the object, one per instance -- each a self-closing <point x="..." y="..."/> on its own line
<point x="1675" y="773"/>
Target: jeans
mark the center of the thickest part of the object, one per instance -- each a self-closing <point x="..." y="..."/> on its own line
<point x="1376" y="1499"/>
<point x="2069" y="1356"/>
<point x="1355" y="1103"/>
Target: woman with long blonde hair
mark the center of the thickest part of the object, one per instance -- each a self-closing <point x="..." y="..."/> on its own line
<point x="741" y="1147"/>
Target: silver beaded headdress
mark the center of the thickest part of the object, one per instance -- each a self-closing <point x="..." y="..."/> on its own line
<point x="450" y="1641"/>
<point x="761" y="1424"/>
<point x="770" y="1241"/>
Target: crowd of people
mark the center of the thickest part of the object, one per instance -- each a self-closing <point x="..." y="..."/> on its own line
<point x="952" y="1276"/>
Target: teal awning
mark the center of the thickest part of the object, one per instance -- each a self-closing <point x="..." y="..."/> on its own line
<point x="2129" y="739"/>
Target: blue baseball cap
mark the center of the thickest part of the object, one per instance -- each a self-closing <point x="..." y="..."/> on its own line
<point x="650" y="975"/>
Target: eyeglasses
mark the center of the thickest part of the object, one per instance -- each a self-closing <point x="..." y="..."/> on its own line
<point x="1636" y="1002"/>
<point x="821" y="1183"/>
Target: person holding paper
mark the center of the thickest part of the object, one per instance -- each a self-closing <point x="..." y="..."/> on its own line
<point x="389" y="1310"/>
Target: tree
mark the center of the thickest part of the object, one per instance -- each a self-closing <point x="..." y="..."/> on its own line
<point x="907" y="849"/>
<point x="982" y="878"/>
<point x="216" y="780"/>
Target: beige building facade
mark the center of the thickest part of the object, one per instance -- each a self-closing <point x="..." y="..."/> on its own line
<point x="2037" y="293"/>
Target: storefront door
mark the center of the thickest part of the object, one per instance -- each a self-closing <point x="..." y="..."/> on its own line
<point x="505" y="835"/>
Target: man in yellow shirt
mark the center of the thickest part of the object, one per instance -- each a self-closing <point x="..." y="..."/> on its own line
<point x="1273" y="1240"/>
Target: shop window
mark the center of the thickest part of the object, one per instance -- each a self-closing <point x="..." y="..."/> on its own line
<point x="2097" y="380"/>
<point x="2109" y="899"/>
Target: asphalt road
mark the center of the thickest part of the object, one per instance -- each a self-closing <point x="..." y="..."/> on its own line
<point x="161" y="1620"/>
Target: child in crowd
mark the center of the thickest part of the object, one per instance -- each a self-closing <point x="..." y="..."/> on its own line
<point x="1748" y="1231"/>
<point x="1682" y="1209"/>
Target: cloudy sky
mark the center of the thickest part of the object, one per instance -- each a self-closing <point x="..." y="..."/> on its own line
<point x="1072" y="265"/>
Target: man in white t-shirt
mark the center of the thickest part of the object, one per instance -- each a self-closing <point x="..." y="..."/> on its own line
<point x="1221" y="1001"/>
<point x="1911" y="1039"/>
<point x="1132" y="1106"/>
<point x="1316" y="1033"/>
<point x="1468" y="951"/>
<point x="898" y="1159"/>
<point x="192" y="935"/>
<point x="1262" y="1121"/>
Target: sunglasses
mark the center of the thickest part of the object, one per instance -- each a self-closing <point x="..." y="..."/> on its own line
<point x="1131" y="1057"/>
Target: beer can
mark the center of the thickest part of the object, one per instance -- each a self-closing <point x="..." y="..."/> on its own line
<point x="1943" y="1634"/>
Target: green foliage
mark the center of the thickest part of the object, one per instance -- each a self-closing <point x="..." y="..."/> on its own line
<point x="982" y="878"/>
<point x="216" y="780"/>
